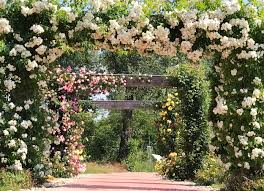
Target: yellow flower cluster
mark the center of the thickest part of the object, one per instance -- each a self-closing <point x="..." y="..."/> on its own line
<point x="168" y="106"/>
<point x="172" y="155"/>
<point x="80" y="152"/>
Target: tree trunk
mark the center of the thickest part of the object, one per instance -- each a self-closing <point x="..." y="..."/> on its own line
<point x="125" y="133"/>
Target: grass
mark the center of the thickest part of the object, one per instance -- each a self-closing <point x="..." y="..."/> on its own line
<point x="142" y="166"/>
<point x="95" y="168"/>
<point x="15" y="181"/>
<point x="218" y="186"/>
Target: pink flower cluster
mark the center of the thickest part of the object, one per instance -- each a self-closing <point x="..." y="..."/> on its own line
<point x="67" y="87"/>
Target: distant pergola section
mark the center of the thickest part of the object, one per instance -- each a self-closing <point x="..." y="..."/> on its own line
<point x="134" y="81"/>
<point x="142" y="80"/>
<point x="123" y="104"/>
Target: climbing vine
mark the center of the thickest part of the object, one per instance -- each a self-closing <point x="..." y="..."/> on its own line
<point x="188" y="133"/>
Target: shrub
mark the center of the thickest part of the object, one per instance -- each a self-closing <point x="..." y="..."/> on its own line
<point x="240" y="182"/>
<point x="211" y="172"/>
<point x="15" y="180"/>
<point x="102" y="139"/>
<point x="138" y="159"/>
<point x="172" y="167"/>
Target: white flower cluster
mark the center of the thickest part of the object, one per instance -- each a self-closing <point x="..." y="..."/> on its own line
<point x="2" y="4"/>
<point x="102" y="5"/>
<point x="248" y="146"/>
<point x="37" y="7"/>
<point x="10" y="85"/>
<point x="157" y="39"/>
<point x="70" y="15"/>
<point x="4" y="26"/>
<point x="221" y="107"/>
<point x="38" y="29"/>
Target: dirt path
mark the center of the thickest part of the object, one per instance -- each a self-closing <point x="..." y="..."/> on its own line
<point x="125" y="181"/>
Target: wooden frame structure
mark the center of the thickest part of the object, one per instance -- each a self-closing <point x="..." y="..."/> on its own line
<point x="124" y="104"/>
<point x="134" y="81"/>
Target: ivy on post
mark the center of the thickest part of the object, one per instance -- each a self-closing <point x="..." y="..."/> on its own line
<point x="194" y="95"/>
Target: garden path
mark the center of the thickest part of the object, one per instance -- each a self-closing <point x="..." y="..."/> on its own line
<point x="125" y="181"/>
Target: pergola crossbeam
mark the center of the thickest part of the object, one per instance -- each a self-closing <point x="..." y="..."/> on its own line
<point x="133" y="80"/>
<point x="123" y="104"/>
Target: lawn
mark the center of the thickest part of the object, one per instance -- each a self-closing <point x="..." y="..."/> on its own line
<point x="95" y="168"/>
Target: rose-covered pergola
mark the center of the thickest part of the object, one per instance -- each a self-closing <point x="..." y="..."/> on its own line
<point x="34" y="34"/>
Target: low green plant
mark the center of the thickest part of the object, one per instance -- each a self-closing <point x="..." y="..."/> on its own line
<point x="211" y="172"/>
<point x="241" y="182"/>
<point x="15" y="181"/>
<point x="138" y="159"/>
<point x="173" y="167"/>
<point x="105" y="168"/>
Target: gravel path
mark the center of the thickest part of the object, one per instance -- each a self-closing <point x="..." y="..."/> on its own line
<point x="123" y="182"/>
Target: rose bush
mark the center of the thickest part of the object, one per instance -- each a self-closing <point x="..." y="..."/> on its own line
<point x="66" y="87"/>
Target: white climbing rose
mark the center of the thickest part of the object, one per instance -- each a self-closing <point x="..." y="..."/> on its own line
<point x="234" y="72"/>
<point x="258" y="140"/>
<point x="254" y="112"/>
<point x="38" y="29"/>
<point x="240" y="111"/>
<point x="4" y="26"/>
<point x="31" y="65"/>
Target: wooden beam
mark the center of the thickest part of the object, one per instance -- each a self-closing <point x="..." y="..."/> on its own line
<point x="122" y="104"/>
<point x="133" y="80"/>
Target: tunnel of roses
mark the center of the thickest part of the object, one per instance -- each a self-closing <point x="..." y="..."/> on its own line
<point x="34" y="34"/>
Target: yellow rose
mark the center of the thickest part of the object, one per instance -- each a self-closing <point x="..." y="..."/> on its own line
<point x="163" y="113"/>
<point x="172" y="155"/>
<point x="170" y="108"/>
<point x="169" y="130"/>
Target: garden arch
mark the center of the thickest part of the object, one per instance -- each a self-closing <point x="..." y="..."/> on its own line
<point x="33" y="34"/>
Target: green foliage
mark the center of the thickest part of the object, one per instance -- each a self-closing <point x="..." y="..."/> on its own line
<point x="15" y="180"/>
<point x="136" y="63"/>
<point x="193" y="92"/>
<point x="211" y="172"/>
<point x="101" y="138"/>
<point x="138" y="159"/>
<point x="104" y="168"/>
<point x="172" y="167"/>
<point x="239" y="182"/>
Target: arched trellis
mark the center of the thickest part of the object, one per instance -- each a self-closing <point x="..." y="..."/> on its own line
<point x="193" y="93"/>
<point x="230" y="30"/>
